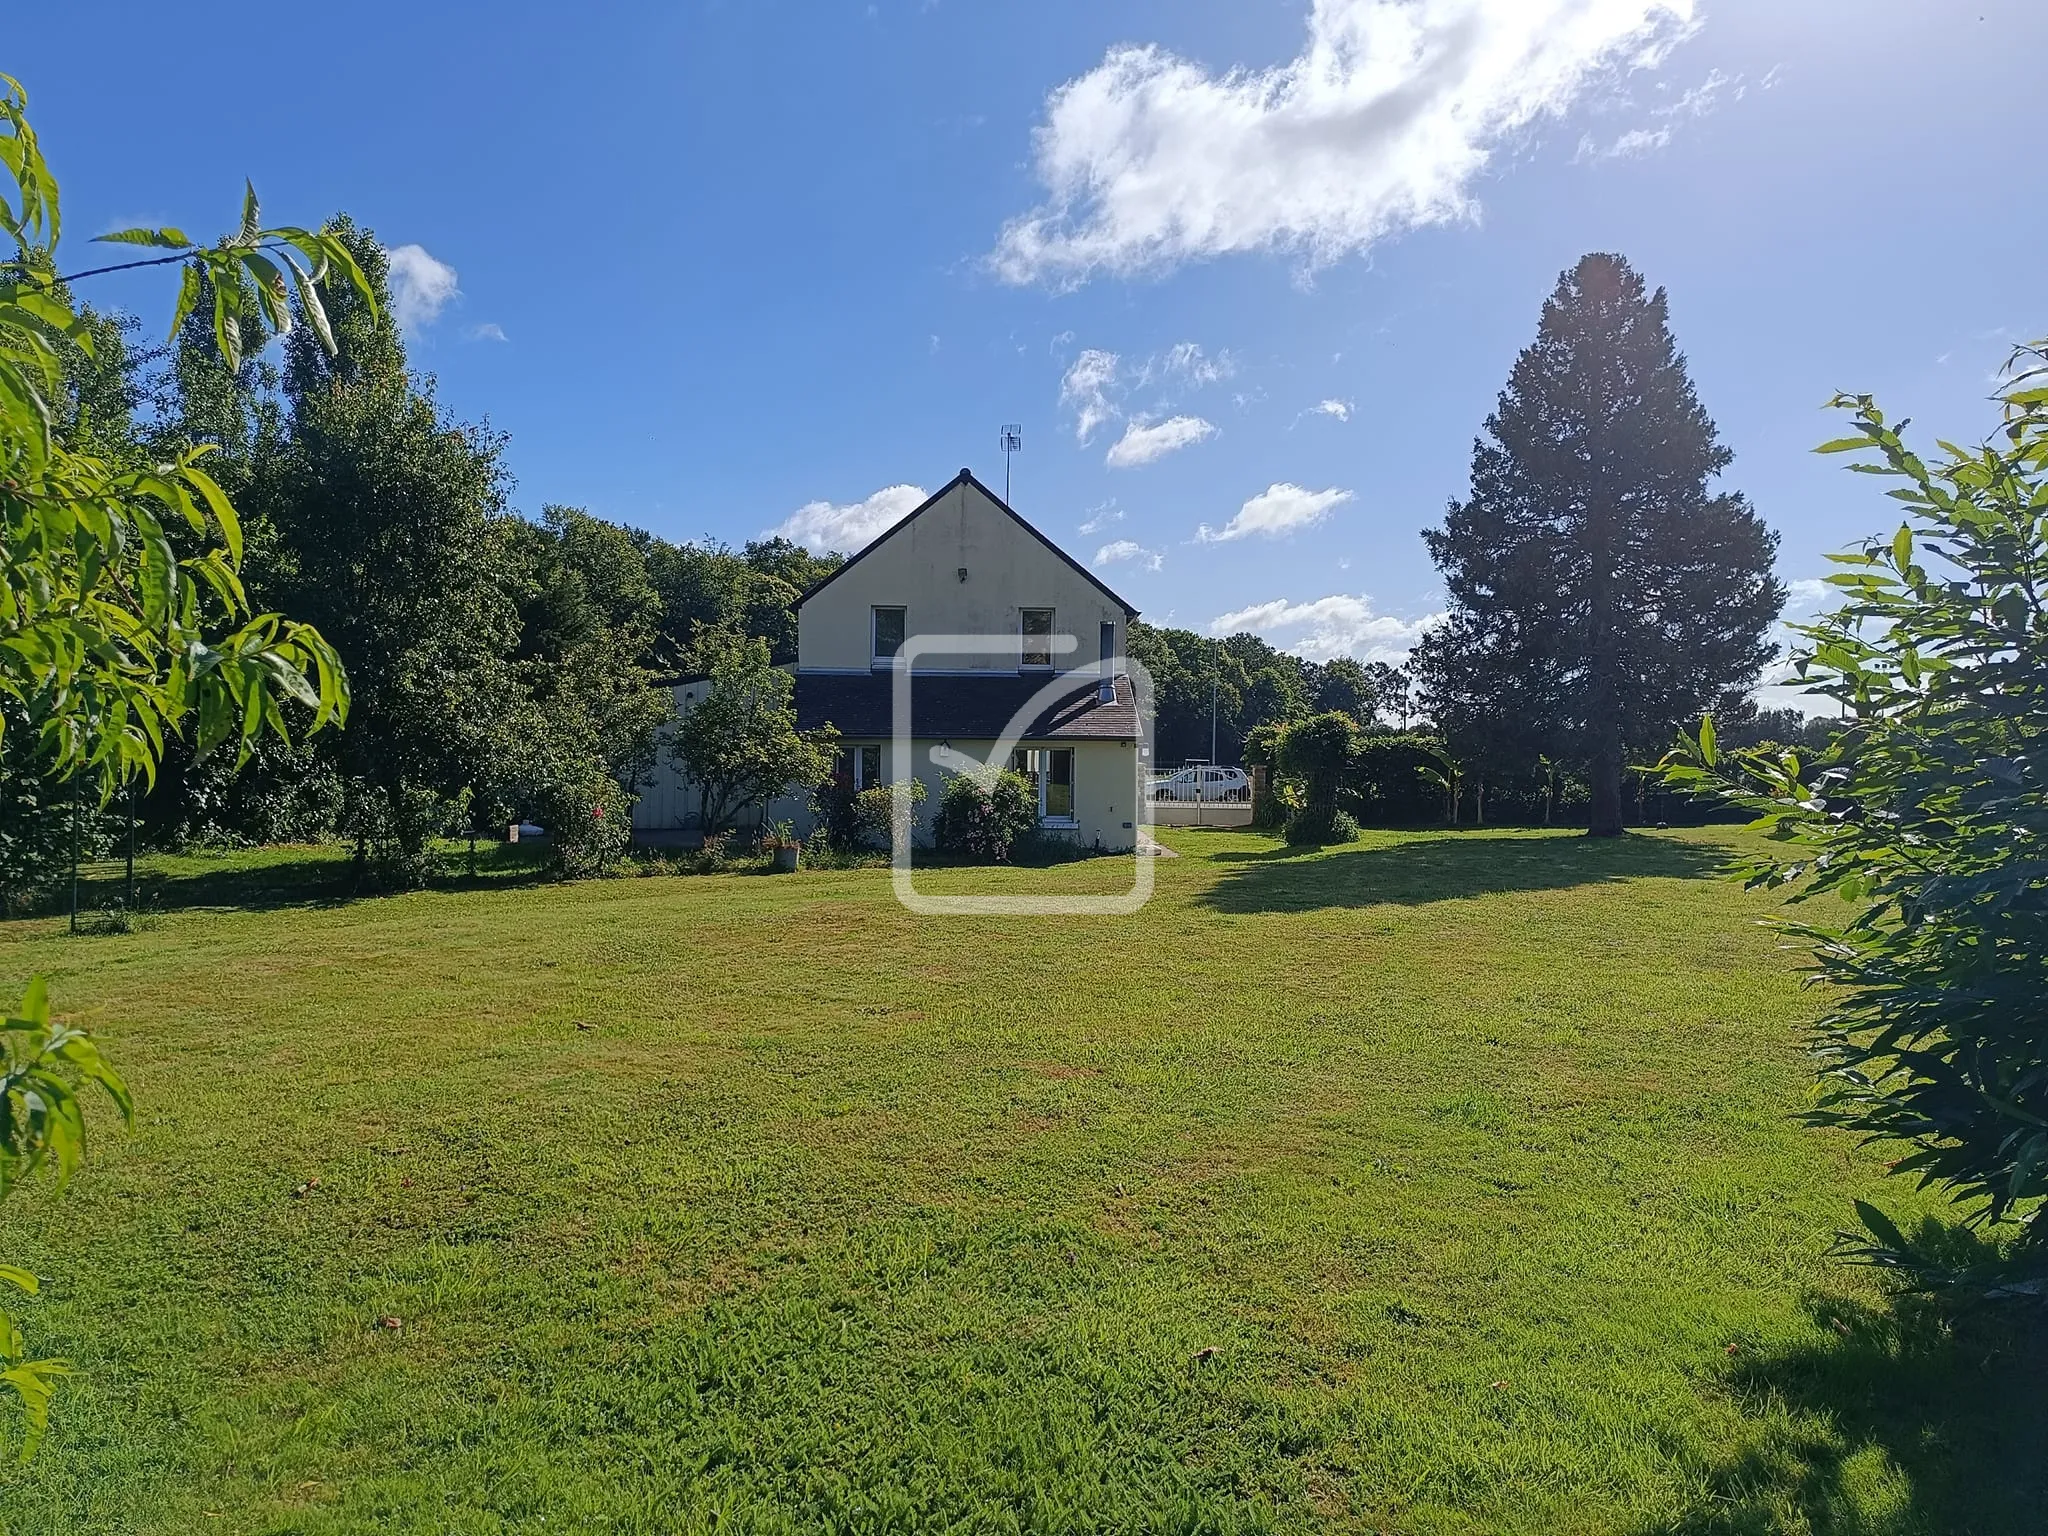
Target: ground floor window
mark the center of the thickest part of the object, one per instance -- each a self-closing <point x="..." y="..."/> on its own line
<point x="1051" y="772"/>
<point x="859" y="767"/>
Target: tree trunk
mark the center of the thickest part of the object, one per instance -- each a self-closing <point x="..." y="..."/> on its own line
<point x="1606" y="787"/>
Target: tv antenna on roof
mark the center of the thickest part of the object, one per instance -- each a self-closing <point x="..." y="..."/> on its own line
<point x="1012" y="442"/>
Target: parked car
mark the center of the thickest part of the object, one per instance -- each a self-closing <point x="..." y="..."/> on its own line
<point x="1203" y="783"/>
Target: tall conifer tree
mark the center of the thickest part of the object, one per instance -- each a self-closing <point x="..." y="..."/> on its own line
<point x="1602" y="592"/>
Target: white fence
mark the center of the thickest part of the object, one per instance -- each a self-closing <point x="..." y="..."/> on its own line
<point x="1202" y="796"/>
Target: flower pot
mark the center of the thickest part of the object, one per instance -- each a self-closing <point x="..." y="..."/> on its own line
<point x="786" y="857"/>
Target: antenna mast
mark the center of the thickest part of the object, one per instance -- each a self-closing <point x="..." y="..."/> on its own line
<point x="1012" y="442"/>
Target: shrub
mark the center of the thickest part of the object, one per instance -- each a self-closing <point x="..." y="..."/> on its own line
<point x="1315" y="755"/>
<point x="863" y="821"/>
<point x="876" y="817"/>
<point x="1305" y="828"/>
<point x="984" y="819"/>
<point x="589" y="821"/>
<point x="1927" y="812"/>
<point x="394" y="832"/>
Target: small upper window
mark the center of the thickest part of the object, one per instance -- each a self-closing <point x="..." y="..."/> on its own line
<point x="1037" y="637"/>
<point x="888" y="633"/>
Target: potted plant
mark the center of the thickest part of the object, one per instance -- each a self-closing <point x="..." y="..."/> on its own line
<point x="783" y="848"/>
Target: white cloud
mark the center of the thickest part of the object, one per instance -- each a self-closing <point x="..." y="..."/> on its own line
<point x="1781" y="689"/>
<point x="1275" y="511"/>
<point x="1085" y="389"/>
<point x="420" y="286"/>
<point x="1809" y="593"/>
<point x="822" y="525"/>
<point x="1143" y="443"/>
<point x="1341" y="409"/>
<point x="1382" y="124"/>
<point x="1189" y="364"/>
<point x="1636" y="142"/>
<point x="1704" y="97"/>
<point x="1129" y="549"/>
<point x="1339" y="625"/>
<point x="1697" y="101"/>
<point x="1102" y="516"/>
<point x="490" y="330"/>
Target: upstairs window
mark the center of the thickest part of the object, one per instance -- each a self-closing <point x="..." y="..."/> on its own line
<point x="889" y="628"/>
<point x="1037" y="637"/>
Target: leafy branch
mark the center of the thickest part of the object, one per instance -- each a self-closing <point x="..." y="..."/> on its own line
<point x="1929" y="814"/>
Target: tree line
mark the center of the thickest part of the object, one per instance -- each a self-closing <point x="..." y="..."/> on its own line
<point x="501" y="666"/>
<point x="1603" y="593"/>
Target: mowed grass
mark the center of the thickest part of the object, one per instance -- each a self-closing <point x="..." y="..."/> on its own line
<point x="1442" y="1183"/>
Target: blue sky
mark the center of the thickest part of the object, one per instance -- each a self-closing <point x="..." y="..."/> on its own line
<point x="1254" y="267"/>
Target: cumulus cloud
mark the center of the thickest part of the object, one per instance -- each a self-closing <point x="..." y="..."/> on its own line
<point x="1277" y="510"/>
<point x="823" y="525"/>
<point x="1809" y="593"/>
<point x="420" y="286"/>
<point x="1381" y="124"/>
<point x="1338" y="625"/>
<point x="1143" y="443"/>
<point x="1129" y="549"/>
<point x="1085" y="391"/>
<point x="1341" y="409"/>
<point x="490" y="330"/>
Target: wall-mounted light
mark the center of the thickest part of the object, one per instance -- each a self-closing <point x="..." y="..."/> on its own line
<point x="962" y="573"/>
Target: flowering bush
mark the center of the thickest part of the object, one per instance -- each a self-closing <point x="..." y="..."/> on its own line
<point x="984" y="819"/>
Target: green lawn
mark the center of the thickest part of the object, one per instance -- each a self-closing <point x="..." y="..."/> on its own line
<point x="1435" y="1184"/>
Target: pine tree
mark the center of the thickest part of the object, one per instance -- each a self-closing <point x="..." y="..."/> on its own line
<point x="1602" y="594"/>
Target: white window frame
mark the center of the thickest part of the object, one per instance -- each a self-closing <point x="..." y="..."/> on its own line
<point x="875" y="656"/>
<point x="1041" y="779"/>
<point x="860" y="755"/>
<point x="1052" y="626"/>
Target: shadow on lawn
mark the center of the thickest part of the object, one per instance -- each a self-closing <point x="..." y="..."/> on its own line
<point x="1957" y="1405"/>
<point x="1445" y="867"/>
<point x="285" y="877"/>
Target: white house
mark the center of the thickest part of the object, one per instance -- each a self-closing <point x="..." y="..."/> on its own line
<point x="1042" y="668"/>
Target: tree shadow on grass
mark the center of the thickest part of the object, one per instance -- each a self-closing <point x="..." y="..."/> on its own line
<point x="271" y="878"/>
<point x="1446" y="867"/>
<point x="1908" y="1420"/>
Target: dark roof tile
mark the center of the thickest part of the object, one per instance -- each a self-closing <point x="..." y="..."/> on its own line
<point x="969" y="708"/>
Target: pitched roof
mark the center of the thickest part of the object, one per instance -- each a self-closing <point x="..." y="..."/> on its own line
<point x="970" y="708"/>
<point x="965" y="477"/>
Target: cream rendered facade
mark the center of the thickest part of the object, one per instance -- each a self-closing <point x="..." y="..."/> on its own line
<point x="962" y="564"/>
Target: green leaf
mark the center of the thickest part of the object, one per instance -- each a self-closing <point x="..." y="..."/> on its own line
<point x="1902" y="547"/>
<point x="227" y="310"/>
<point x="35" y="1002"/>
<point x="252" y="221"/>
<point x="270" y="291"/>
<point x="20" y="1279"/>
<point x="188" y="298"/>
<point x="1709" y="754"/>
<point x="217" y="502"/>
<point x="162" y="239"/>
<point x="310" y="305"/>
<point x="1843" y="445"/>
